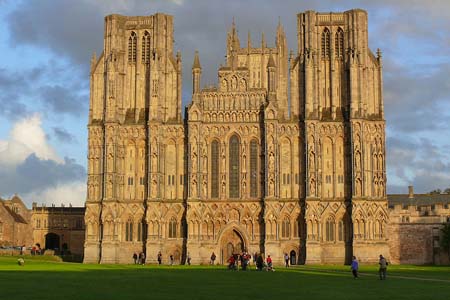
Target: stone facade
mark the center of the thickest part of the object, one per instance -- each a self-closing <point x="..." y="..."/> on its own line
<point x="14" y="223"/>
<point x="415" y="228"/>
<point x="59" y="228"/>
<point x="247" y="169"/>
<point x="54" y="228"/>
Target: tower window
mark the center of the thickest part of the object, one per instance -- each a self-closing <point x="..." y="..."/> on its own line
<point x="326" y="43"/>
<point x="132" y="42"/>
<point x="146" y="48"/>
<point x="339" y="43"/>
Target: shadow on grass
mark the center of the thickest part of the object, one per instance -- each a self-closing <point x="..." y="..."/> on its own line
<point x="45" y="280"/>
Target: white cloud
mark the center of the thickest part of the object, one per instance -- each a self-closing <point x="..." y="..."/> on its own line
<point x="30" y="167"/>
<point x="68" y="193"/>
<point x="26" y="137"/>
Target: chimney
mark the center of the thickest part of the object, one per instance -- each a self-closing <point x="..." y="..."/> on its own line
<point x="410" y="191"/>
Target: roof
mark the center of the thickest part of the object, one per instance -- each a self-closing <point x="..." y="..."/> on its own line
<point x="418" y="199"/>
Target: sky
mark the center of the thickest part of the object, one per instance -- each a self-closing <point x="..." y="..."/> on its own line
<point x="46" y="46"/>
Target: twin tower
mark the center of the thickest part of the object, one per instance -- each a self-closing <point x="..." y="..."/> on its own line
<point x="285" y="155"/>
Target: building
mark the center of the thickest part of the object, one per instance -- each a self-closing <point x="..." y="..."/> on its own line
<point x="55" y="228"/>
<point x="247" y="169"/>
<point x="415" y="222"/>
<point x="14" y="223"/>
<point x="59" y="228"/>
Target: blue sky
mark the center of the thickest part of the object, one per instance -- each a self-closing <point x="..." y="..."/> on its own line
<point x="46" y="47"/>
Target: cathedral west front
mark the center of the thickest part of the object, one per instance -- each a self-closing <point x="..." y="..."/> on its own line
<point x="286" y="154"/>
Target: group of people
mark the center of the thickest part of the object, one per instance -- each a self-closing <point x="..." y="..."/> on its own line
<point x="382" y="262"/>
<point x="139" y="259"/>
<point x="243" y="260"/>
<point x="171" y="259"/>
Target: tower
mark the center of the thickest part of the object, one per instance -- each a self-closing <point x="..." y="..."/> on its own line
<point x="336" y="92"/>
<point x="135" y="95"/>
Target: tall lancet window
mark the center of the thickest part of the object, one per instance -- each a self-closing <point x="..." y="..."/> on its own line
<point x="215" y="169"/>
<point x="132" y="42"/>
<point x="146" y="48"/>
<point x="234" y="167"/>
<point x="253" y="168"/>
<point x="326" y="43"/>
<point x="339" y="43"/>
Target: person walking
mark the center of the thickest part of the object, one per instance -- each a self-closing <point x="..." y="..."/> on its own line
<point x="171" y="259"/>
<point x="286" y="260"/>
<point x="269" y="263"/>
<point x="188" y="259"/>
<point x="354" y="267"/>
<point x="383" y="267"/>
<point x="142" y="258"/>
<point x="135" y="257"/>
<point x="213" y="258"/>
<point x="159" y="258"/>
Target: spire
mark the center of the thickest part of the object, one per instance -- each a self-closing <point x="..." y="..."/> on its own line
<point x="280" y="39"/>
<point x="196" y="64"/>
<point x="263" y="40"/>
<point x="249" y="41"/>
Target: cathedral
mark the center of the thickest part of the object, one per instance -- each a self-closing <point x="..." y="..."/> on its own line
<point x="285" y="155"/>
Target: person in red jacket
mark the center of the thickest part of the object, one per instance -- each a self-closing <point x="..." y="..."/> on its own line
<point x="269" y="263"/>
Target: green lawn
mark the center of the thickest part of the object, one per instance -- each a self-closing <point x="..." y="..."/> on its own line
<point x="48" y="279"/>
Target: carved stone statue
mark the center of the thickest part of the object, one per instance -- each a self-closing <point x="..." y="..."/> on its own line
<point x="154" y="161"/>
<point x="311" y="159"/>
<point x="154" y="190"/>
<point x="271" y="162"/>
<point x="224" y="158"/>
<point x="205" y="161"/>
<point x="271" y="187"/>
<point x="193" y="188"/>
<point x="357" y="160"/>
<point x="109" y="187"/>
<point x="312" y="188"/>
<point x="205" y="188"/>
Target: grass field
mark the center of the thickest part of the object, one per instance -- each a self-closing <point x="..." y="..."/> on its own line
<point x="46" y="279"/>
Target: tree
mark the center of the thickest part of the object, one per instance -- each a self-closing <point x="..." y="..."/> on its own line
<point x="447" y="191"/>
<point x="445" y="241"/>
<point x="435" y="192"/>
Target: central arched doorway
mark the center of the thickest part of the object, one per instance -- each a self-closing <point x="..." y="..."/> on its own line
<point x="231" y="243"/>
<point x="52" y="241"/>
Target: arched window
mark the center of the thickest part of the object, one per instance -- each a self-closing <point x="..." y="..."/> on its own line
<point x="173" y="228"/>
<point x="285" y="228"/>
<point x="329" y="230"/>
<point x="129" y="231"/>
<point x="253" y="168"/>
<point x="339" y="43"/>
<point x="326" y="43"/>
<point x="234" y="167"/>
<point x="215" y="169"/>
<point x="132" y="41"/>
<point x="146" y="48"/>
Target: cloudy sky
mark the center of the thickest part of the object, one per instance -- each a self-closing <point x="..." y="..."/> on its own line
<point x="46" y="46"/>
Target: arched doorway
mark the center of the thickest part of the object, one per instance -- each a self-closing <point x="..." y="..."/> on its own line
<point x="293" y="257"/>
<point x="231" y="243"/>
<point x="51" y="241"/>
